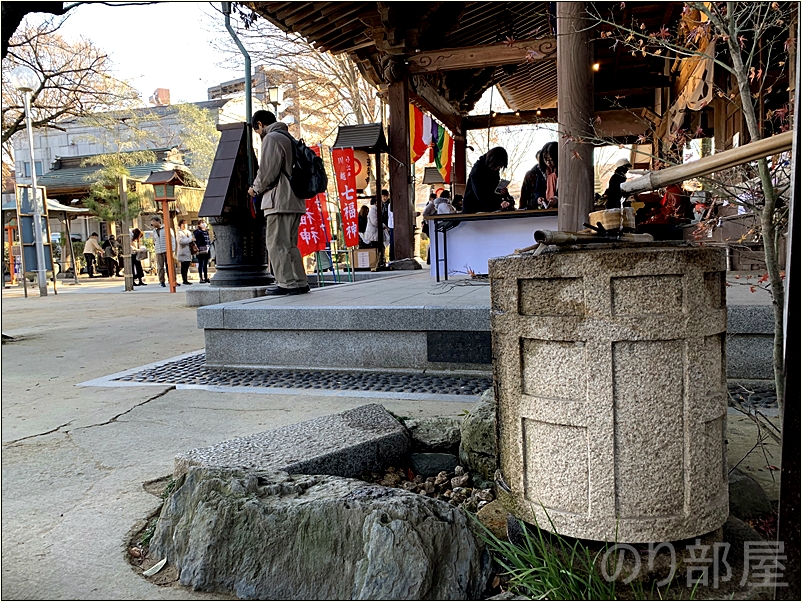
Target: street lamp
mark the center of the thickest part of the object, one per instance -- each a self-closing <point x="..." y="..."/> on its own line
<point x="274" y="98"/>
<point x="24" y="79"/>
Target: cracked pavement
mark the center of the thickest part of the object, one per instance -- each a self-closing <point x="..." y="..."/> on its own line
<point x="74" y="459"/>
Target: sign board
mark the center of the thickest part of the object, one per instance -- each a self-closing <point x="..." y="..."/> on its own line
<point x="28" y="225"/>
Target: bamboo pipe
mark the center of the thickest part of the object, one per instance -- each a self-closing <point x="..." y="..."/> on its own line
<point x="723" y="160"/>
<point x="558" y="237"/>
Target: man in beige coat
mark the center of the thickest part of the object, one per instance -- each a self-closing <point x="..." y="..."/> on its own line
<point x="283" y="210"/>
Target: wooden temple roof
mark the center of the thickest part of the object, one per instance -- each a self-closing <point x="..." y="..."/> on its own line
<point x="377" y="35"/>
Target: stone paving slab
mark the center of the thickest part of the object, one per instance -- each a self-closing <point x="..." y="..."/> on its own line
<point x="366" y="438"/>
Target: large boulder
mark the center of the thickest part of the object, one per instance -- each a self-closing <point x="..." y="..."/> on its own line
<point x="477" y="450"/>
<point x="271" y="536"/>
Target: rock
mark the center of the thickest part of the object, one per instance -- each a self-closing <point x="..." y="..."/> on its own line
<point x="747" y="498"/>
<point x="737" y="533"/>
<point x="477" y="451"/>
<point x="366" y="438"/>
<point x="493" y="515"/>
<point x="404" y="264"/>
<point x="430" y="465"/>
<point x="438" y="434"/>
<point x="460" y="481"/>
<point x="442" y="478"/>
<point x="272" y="536"/>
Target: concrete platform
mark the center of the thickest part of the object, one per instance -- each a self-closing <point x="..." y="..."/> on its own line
<point x="406" y="321"/>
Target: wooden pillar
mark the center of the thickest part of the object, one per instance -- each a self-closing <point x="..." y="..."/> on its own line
<point x="380" y="208"/>
<point x="168" y="240"/>
<point x="398" y="134"/>
<point x="460" y="165"/>
<point x="75" y="266"/>
<point x="574" y="115"/>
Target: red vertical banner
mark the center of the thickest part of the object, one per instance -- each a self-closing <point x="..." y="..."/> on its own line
<point x="313" y="233"/>
<point x="343" y="159"/>
<point x="320" y="202"/>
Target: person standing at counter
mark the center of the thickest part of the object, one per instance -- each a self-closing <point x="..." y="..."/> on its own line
<point x="481" y="194"/>
<point x="533" y="188"/>
<point x="613" y="192"/>
<point x="548" y="165"/>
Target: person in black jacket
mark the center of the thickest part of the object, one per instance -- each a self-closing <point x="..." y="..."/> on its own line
<point x="533" y="189"/>
<point x="203" y="241"/>
<point x="480" y="191"/>
<point x="613" y="192"/>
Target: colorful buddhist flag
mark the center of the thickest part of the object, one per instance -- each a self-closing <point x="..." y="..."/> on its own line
<point x="443" y="154"/>
<point x="343" y="160"/>
<point x="433" y="132"/>
<point x="416" y="145"/>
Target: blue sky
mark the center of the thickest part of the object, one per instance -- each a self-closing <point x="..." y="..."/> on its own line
<point x="164" y="45"/>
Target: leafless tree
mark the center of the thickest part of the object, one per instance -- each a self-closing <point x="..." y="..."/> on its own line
<point x="328" y="88"/>
<point x="749" y="41"/>
<point x="75" y="79"/>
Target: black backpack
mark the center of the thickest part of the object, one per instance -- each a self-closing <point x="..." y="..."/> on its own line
<point x="308" y="176"/>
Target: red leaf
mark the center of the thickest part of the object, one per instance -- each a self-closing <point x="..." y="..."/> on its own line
<point x="771" y="467"/>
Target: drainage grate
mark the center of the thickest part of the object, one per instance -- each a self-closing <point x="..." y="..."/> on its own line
<point x="192" y="371"/>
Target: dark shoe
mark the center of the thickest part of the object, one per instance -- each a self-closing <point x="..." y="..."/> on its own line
<point x="281" y="291"/>
<point x="187" y="282"/>
<point x="163" y="285"/>
<point x="137" y="284"/>
<point x="303" y="290"/>
<point x="141" y="283"/>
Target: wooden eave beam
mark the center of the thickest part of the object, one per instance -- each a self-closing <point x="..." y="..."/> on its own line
<point x="621" y="124"/>
<point x="339" y="33"/>
<point x="325" y="23"/>
<point x="354" y="47"/>
<point x="323" y="43"/>
<point x="476" y="57"/>
<point x="298" y="14"/>
<point x="435" y="105"/>
<point x="636" y="84"/>
<point x="481" y="122"/>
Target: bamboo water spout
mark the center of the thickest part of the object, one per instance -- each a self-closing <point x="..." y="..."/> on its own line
<point x="550" y="237"/>
<point x="723" y="160"/>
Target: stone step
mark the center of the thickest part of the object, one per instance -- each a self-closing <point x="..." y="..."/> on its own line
<point x="367" y="438"/>
<point x="407" y="322"/>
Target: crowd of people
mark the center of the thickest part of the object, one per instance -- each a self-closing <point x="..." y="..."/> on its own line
<point x="485" y="191"/>
<point x="187" y="246"/>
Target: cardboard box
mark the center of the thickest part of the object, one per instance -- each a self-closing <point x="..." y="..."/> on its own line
<point x="365" y="259"/>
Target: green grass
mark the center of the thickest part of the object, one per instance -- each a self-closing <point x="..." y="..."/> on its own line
<point x="547" y="566"/>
